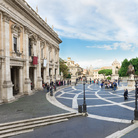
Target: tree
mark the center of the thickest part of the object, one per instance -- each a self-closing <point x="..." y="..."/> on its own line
<point x="105" y="72"/>
<point x="63" y="68"/>
<point x="69" y="76"/>
<point x="134" y="62"/>
<point x="108" y="78"/>
<point x="123" y="70"/>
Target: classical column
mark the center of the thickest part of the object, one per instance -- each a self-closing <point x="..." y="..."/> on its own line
<point x="7" y="84"/>
<point x="47" y="67"/>
<point x="27" y="81"/>
<point x="44" y="75"/>
<point x="58" y="76"/>
<point x="21" y="80"/>
<point x="39" y="79"/>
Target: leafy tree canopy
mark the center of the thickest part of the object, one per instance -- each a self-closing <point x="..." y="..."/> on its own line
<point x="63" y="68"/>
<point x="105" y="72"/>
<point x="124" y="67"/>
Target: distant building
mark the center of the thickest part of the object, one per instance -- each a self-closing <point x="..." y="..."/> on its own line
<point x="93" y="73"/>
<point x="74" y="69"/>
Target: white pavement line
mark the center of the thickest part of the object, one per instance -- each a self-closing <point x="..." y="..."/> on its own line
<point x="121" y="133"/>
<point x="88" y="98"/>
<point x="100" y="105"/>
<point x="74" y="88"/>
<point x="109" y="119"/>
<point x="116" y="94"/>
<point x="127" y="102"/>
<point x="62" y="92"/>
<point x="111" y="97"/>
<point x="115" y="103"/>
<point x="65" y="98"/>
<point x="54" y="101"/>
<point x="74" y="101"/>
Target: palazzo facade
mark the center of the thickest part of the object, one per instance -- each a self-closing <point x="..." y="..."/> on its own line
<point x="29" y="50"/>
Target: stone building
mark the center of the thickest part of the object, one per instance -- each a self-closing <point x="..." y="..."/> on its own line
<point x="115" y="67"/>
<point x="93" y="73"/>
<point x="29" y="50"/>
<point x="74" y="69"/>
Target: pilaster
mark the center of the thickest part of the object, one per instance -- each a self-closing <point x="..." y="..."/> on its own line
<point x="27" y="81"/>
<point x="7" y="84"/>
<point x="47" y="67"/>
<point x="39" y="79"/>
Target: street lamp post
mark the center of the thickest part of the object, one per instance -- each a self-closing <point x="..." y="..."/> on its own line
<point x="136" y="96"/>
<point x="84" y="101"/>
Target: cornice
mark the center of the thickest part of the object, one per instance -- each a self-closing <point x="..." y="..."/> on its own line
<point x="6" y="17"/>
<point x="23" y="7"/>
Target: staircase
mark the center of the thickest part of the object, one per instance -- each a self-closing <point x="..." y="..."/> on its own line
<point x="23" y="126"/>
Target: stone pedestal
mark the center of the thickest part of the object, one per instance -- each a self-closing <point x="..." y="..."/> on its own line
<point x="131" y="82"/>
<point x="39" y="83"/>
<point x="27" y="86"/>
<point x="7" y="91"/>
<point x="73" y="79"/>
<point x="115" y="77"/>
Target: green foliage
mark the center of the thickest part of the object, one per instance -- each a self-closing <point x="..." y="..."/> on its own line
<point x="63" y="68"/>
<point x="108" y="78"/>
<point x="69" y="76"/>
<point x="105" y="72"/>
<point x="134" y="62"/>
<point x="123" y="70"/>
<point x="125" y="64"/>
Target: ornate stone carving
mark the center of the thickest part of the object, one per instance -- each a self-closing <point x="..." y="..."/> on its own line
<point x="6" y="17"/>
<point x="33" y="38"/>
<point x="26" y="30"/>
<point x="16" y="29"/>
<point x="130" y="70"/>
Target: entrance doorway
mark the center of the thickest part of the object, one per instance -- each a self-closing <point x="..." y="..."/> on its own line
<point x="42" y="74"/>
<point x="31" y="76"/>
<point x="15" y="79"/>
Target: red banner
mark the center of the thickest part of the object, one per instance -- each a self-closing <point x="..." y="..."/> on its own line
<point x="35" y="60"/>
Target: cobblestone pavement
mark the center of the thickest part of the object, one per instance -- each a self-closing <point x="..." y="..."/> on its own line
<point x="28" y="107"/>
<point x="109" y="114"/>
<point x="102" y="104"/>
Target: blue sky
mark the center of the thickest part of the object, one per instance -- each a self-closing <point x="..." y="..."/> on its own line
<point x="94" y="32"/>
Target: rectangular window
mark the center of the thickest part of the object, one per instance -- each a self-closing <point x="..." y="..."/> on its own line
<point x="15" y="44"/>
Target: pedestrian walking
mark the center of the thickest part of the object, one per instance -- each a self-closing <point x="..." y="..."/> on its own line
<point x="125" y="94"/>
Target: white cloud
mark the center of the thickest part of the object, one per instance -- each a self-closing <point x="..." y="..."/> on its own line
<point x="97" y="63"/>
<point x="114" y="46"/>
<point x="104" y="20"/>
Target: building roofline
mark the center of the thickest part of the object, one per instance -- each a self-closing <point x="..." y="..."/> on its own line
<point x="27" y="8"/>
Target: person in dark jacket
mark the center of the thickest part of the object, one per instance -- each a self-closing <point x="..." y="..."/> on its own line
<point x="125" y="94"/>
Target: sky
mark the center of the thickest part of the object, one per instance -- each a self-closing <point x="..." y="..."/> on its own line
<point x="94" y="32"/>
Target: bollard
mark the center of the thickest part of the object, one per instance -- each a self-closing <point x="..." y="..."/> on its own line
<point x="80" y="108"/>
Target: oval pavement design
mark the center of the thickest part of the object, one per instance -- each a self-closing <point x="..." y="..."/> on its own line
<point x="102" y="104"/>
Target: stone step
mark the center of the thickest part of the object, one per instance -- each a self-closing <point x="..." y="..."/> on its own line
<point x="23" y="126"/>
<point x="11" y="126"/>
<point x="34" y="119"/>
<point x="25" y="129"/>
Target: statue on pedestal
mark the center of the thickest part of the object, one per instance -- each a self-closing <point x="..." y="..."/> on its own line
<point x="130" y="70"/>
<point x="131" y="79"/>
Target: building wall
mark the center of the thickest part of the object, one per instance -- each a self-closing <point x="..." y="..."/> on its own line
<point x="17" y="67"/>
